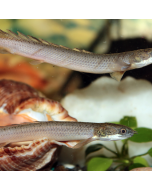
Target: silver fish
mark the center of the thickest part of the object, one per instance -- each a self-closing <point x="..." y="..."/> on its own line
<point x="80" y="60"/>
<point x="65" y="131"/>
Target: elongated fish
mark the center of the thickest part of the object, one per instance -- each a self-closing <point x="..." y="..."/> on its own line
<point x="75" y="59"/>
<point x="65" y="131"/>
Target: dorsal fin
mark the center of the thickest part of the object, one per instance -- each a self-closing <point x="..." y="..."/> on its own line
<point x="79" y="50"/>
<point x="21" y="37"/>
<point x="12" y="34"/>
<point x="44" y="42"/>
<point x="64" y="47"/>
<point x="76" y="49"/>
<point x="2" y="32"/>
<point x="86" y="51"/>
<point x="33" y="39"/>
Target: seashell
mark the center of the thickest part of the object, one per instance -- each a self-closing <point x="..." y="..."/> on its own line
<point x="13" y="93"/>
<point x="53" y="109"/>
<point x="21" y="103"/>
<point x="31" y="157"/>
<point x="142" y="169"/>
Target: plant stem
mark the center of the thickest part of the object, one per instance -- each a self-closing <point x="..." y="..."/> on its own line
<point x="118" y="153"/>
<point x="123" y="147"/>
<point x="111" y="150"/>
<point x="139" y="155"/>
<point x="118" y="166"/>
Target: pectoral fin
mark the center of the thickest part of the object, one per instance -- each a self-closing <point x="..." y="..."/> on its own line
<point x="3" y="144"/>
<point x="4" y="51"/>
<point x="117" y="75"/>
<point x="82" y="143"/>
<point x="36" y="62"/>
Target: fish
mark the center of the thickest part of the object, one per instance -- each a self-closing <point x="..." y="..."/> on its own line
<point x="65" y="131"/>
<point x="79" y="60"/>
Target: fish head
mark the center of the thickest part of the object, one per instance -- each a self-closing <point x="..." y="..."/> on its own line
<point x="141" y="58"/>
<point x="113" y="132"/>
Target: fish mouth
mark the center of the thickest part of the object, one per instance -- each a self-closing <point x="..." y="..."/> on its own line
<point x="120" y="137"/>
<point x="135" y="132"/>
<point x="128" y="135"/>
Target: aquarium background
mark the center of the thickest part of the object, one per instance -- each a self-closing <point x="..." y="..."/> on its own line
<point x="95" y="35"/>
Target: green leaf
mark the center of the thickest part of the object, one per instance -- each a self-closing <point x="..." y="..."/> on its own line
<point x="150" y="152"/>
<point x="129" y="121"/>
<point x="136" y="165"/>
<point x="115" y="122"/>
<point x="140" y="160"/>
<point x="99" y="164"/>
<point x="93" y="148"/>
<point x="144" y="135"/>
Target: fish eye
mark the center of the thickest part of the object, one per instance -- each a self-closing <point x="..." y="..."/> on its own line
<point x="123" y="131"/>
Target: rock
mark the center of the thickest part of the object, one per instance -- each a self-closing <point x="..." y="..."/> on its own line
<point x="107" y="100"/>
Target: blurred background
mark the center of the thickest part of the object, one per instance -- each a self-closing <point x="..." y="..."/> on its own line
<point x="98" y="36"/>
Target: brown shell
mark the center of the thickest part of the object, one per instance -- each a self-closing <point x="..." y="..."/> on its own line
<point x="142" y="169"/>
<point x="32" y="157"/>
<point x="52" y="108"/>
<point x="14" y="98"/>
<point x="12" y="93"/>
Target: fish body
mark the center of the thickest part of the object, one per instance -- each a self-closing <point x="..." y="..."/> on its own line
<point x="75" y="59"/>
<point x="64" y="131"/>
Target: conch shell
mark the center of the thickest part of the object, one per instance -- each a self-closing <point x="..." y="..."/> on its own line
<point x="21" y="103"/>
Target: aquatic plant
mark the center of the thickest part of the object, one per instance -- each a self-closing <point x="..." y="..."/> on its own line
<point x="121" y="159"/>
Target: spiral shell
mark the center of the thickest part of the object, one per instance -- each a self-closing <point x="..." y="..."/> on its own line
<point x="21" y="103"/>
